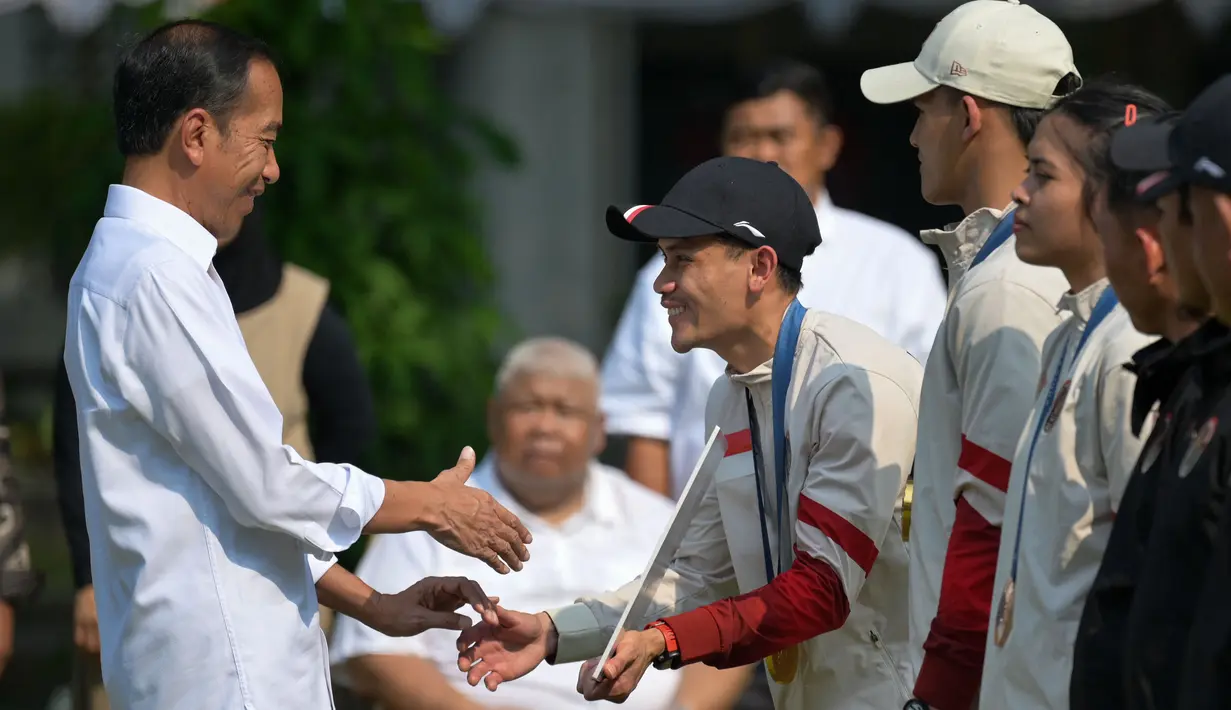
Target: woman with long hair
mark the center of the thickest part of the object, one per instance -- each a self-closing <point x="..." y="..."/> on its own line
<point x="1073" y="459"/>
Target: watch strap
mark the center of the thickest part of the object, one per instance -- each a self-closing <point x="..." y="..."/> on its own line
<point x="669" y="658"/>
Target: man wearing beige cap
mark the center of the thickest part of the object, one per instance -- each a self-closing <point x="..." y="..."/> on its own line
<point x="981" y="83"/>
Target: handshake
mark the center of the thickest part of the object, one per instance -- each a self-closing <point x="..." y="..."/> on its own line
<point x="504" y="645"/>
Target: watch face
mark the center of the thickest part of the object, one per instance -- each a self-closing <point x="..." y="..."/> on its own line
<point x="915" y="705"/>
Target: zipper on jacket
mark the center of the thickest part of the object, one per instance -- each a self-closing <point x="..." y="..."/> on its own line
<point x="893" y="666"/>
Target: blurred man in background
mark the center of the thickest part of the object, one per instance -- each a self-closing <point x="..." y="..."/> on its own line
<point x="593" y="528"/>
<point x="18" y="579"/>
<point x="305" y="355"/>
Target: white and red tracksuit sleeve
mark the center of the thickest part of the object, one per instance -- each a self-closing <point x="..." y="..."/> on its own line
<point x="858" y="464"/>
<point x="996" y="333"/>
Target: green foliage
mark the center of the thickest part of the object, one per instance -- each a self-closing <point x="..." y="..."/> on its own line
<point x="375" y="162"/>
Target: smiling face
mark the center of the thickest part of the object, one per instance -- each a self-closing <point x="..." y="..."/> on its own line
<point x="235" y="161"/>
<point x="705" y="286"/>
<point x="1051" y="223"/>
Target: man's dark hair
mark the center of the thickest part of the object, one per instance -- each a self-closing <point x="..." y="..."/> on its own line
<point x="178" y="67"/>
<point x="1101" y="108"/>
<point x="789" y="279"/>
<point x="1026" y="121"/>
<point x="803" y="80"/>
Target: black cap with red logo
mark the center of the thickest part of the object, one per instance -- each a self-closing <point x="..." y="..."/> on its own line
<point x="754" y="202"/>
<point x="1193" y="148"/>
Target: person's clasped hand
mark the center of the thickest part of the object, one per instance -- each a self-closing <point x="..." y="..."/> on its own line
<point x="430" y="603"/>
<point x="633" y="654"/>
<point x="470" y="521"/>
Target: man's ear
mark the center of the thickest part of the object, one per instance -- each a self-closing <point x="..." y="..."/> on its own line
<point x="1156" y="258"/>
<point x="191" y="135"/>
<point x="829" y="146"/>
<point x="974" y="118"/>
<point x="764" y="266"/>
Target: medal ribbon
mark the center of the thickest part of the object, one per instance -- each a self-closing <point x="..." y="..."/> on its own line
<point x="1106" y="302"/>
<point x="780" y="381"/>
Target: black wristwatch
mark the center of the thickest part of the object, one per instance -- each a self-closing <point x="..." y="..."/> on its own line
<point x="670" y="658"/>
<point x="916" y="704"/>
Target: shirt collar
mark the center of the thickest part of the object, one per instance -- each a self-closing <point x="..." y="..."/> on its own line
<point x="600" y="503"/>
<point x="959" y="242"/>
<point x="164" y="219"/>
<point x="1081" y="304"/>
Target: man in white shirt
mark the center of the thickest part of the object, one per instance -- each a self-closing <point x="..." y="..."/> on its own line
<point x="209" y="539"/>
<point x="867" y="270"/>
<point x="593" y="528"/>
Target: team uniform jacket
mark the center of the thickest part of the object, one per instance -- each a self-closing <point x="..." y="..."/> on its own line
<point x="978" y="387"/>
<point x="1167" y="378"/>
<point x="851" y="416"/>
<point x="1185" y="617"/>
<point x="1072" y="489"/>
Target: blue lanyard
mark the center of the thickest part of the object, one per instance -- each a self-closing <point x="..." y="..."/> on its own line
<point x="1106" y="303"/>
<point x="1000" y="234"/>
<point x="780" y="381"/>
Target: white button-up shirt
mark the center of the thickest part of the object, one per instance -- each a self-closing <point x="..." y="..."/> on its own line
<point x="199" y="518"/>
<point x="867" y="270"/>
<point x="605" y="544"/>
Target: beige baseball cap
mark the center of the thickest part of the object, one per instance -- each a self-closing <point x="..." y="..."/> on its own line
<point x="999" y="50"/>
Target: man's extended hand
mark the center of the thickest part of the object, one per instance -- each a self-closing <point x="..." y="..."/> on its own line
<point x="506" y="650"/>
<point x="429" y="603"/>
<point x="85" y="620"/>
<point x="634" y="653"/>
<point x="470" y="521"/>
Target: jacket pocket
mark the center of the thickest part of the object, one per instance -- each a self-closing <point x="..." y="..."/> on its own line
<point x="893" y="665"/>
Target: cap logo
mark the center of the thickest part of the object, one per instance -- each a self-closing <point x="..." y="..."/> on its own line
<point x="1130" y="114"/>
<point x="957" y="69"/>
<point x="634" y="211"/>
<point x="750" y="228"/>
<point x="1148" y="183"/>
<point x="1209" y="167"/>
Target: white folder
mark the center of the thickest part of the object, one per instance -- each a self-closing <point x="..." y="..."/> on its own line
<point x="669" y="543"/>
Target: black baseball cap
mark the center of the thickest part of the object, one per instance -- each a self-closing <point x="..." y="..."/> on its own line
<point x="757" y="203"/>
<point x="1190" y="148"/>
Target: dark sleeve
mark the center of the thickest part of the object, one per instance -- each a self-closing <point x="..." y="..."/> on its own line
<point x="67" y="466"/>
<point x="341" y="415"/>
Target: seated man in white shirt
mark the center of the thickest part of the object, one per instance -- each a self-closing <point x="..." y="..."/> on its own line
<point x="593" y="529"/>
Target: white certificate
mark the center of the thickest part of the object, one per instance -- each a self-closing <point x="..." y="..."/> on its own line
<point x="669" y="543"/>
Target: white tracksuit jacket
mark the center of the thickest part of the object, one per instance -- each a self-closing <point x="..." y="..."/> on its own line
<point x="852" y="411"/>
<point x="1072" y="489"/>
<point x="978" y="388"/>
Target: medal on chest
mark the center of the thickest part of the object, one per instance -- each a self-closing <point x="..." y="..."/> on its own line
<point x="1054" y="413"/>
<point x="1004" y="615"/>
<point x="1155" y="447"/>
<point x="783" y="665"/>
<point x="1196" y="446"/>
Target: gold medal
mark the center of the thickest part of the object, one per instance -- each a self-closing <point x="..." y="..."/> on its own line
<point x="1004" y="615"/>
<point x="783" y="665"/>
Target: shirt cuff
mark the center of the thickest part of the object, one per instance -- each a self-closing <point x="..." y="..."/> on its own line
<point x="638" y="423"/>
<point x="361" y="498"/>
<point x="578" y="634"/>
<point x="318" y="566"/>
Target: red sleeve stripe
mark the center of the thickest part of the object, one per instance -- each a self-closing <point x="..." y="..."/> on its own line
<point x="739" y="443"/>
<point x="984" y="465"/>
<point x="858" y="546"/>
